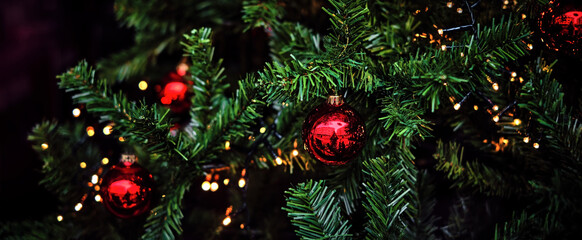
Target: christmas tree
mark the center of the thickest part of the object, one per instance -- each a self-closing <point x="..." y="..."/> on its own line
<point x="368" y="120"/>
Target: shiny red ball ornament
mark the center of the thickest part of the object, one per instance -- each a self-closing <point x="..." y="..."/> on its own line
<point x="174" y="92"/>
<point x="333" y="133"/>
<point x="560" y="26"/>
<point x="126" y="188"/>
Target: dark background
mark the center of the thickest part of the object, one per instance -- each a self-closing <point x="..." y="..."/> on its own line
<point x="40" y="39"/>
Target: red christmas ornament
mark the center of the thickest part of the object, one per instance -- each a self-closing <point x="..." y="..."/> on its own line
<point x="126" y="189"/>
<point x="560" y="26"/>
<point x="333" y="133"/>
<point x="175" y="92"/>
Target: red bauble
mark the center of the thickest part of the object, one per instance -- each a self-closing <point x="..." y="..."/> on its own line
<point x="175" y="93"/>
<point x="333" y="133"/>
<point x="126" y="189"/>
<point x="560" y="26"/>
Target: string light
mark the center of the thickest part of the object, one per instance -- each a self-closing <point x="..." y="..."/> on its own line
<point x="450" y="4"/>
<point x="242" y="183"/>
<point x="495" y="107"/>
<point x="520" y="80"/>
<point x="97" y="188"/>
<point x="78" y="207"/>
<point x="457" y="106"/>
<point x="76" y="112"/>
<point x="94" y="179"/>
<point x="496" y="118"/>
<point x="444" y="47"/>
<point x="226" y="221"/>
<point x="475" y="107"/>
<point x="227" y="145"/>
<point x="459" y="10"/>
<point x="226" y="181"/>
<point x="526" y="139"/>
<point x="440" y="31"/>
<point x="182" y="68"/>
<point x="262" y="129"/>
<point x="60" y="218"/>
<point x="214" y="186"/>
<point x="142" y="85"/>
<point x="105" y="161"/>
<point x="44" y="146"/>
<point x="530" y="46"/>
<point x="516" y="122"/>
<point x="98" y="198"/>
<point x="495" y="86"/>
<point x="295" y="152"/>
<point x="83" y="165"/>
<point x="513" y="74"/>
<point x="536" y="145"/>
<point x="278" y="160"/>
<point x="107" y="129"/>
<point x="242" y="226"/>
<point x="523" y="16"/>
<point x="206" y="186"/>
<point x="90" y="131"/>
<point x="121" y="139"/>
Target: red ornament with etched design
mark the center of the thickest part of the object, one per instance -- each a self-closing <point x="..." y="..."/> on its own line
<point x="126" y="189"/>
<point x="333" y="133"/>
<point x="560" y="26"/>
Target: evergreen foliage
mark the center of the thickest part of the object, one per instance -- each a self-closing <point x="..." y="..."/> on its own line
<point x="373" y="54"/>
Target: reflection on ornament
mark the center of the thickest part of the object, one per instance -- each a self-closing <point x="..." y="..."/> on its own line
<point x="127" y="189"/>
<point x="333" y="133"/>
<point x="561" y="26"/>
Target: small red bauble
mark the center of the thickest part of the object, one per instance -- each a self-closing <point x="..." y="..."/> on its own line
<point x="126" y="189"/>
<point x="560" y="26"/>
<point x="333" y="133"/>
<point x="175" y="93"/>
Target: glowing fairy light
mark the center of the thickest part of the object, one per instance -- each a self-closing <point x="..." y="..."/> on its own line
<point x="526" y="139"/>
<point x="440" y="31"/>
<point x="295" y="152"/>
<point x="78" y="207"/>
<point x="182" y="68"/>
<point x="496" y="118"/>
<point x="90" y="131"/>
<point x="44" y="146"/>
<point x="278" y="160"/>
<point x="450" y="4"/>
<point x="226" y="181"/>
<point x="226" y="221"/>
<point x="121" y="139"/>
<point x="98" y="198"/>
<point x="495" y="86"/>
<point x="517" y="122"/>
<point x="459" y="10"/>
<point x="495" y="107"/>
<point x="513" y="74"/>
<point x="444" y="47"/>
<point x="530" y="46"/>
<point x="83" y="165"/>
<point x="76" y="112"/>
<point x="227" y="145"/>
<point x="242" y="183"/>
<point x="262" y="129"/>
<point x="97" y="188"/>
<point x="475" y="107"/>
<point x="105" y="161"/>
<point x="214" y="186"/>
<point x="457" y="106"/>
<point x="94" y="179"/>
<point x="536" y="145"/>
<point x="60" y="218"/>
<point x="206" y="186"/>
<point x="107" y="129"/>
<point x="142" y="85"/>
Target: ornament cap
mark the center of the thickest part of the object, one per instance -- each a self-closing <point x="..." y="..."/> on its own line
<point x="128" y="159"/>
<point x="335" y="100"/>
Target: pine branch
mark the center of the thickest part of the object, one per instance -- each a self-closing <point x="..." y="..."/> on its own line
<point x="487" y="180"/>
<point x="165" y="220"/>
<point x="315" y="211"/>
